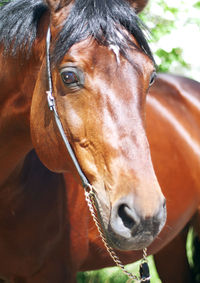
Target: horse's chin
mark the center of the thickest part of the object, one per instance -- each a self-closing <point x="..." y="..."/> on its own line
<point x="131" y="243"/>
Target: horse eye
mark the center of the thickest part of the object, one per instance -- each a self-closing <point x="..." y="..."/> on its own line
<point x="69" y="78"/>
<point x="152" y="78"/>
<point x="72" y="77"/>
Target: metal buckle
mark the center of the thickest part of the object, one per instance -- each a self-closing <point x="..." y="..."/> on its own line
<point x="50" y="100"/>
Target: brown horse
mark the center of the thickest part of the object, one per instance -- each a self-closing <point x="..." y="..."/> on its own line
<point x="85" y="250"/>
<point x="101" y="71"/>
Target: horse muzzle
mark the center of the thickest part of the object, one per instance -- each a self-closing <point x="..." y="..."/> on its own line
<point x="128" y="229"/>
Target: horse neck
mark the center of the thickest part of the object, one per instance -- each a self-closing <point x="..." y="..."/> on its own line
<point x="180" y="105"/>
<point x="17" y="82"/>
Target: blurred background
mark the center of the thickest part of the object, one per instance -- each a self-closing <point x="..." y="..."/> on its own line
<point x="175" y="42"/>
<point x="175" y="35"/>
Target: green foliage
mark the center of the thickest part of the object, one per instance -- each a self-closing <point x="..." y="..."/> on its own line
<point x="159" y="25"/>
<point x="164" y="17"/>
<point x="193" y="252"/>
<point x="167" y="58"/>
<point x="197" y="5"/>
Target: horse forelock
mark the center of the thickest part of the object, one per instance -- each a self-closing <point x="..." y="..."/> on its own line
<point x="106" y="21"/>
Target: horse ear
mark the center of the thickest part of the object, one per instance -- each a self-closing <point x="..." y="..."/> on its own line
<point x="55" y="5"/>
<point x="138" y="5"/>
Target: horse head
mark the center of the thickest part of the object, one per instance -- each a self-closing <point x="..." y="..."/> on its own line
<point x="101" y="69"/>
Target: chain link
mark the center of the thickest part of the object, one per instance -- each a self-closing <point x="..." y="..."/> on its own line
<point x="90" y="199"/>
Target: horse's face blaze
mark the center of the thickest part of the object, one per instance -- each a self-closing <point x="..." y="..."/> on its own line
<point x="100" y="98"/>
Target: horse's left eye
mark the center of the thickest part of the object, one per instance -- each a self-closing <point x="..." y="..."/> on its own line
<point x="69" y="78"/>
<point x="152" y="78"/>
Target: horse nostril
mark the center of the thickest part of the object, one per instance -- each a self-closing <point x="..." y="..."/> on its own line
<point x="126" y="216"/>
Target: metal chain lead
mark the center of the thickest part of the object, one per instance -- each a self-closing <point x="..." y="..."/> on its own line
<point x="90" y="199"/>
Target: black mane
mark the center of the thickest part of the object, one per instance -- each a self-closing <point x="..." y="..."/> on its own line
<point x="19" y="23"/>
<point x="104" y="20"/>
